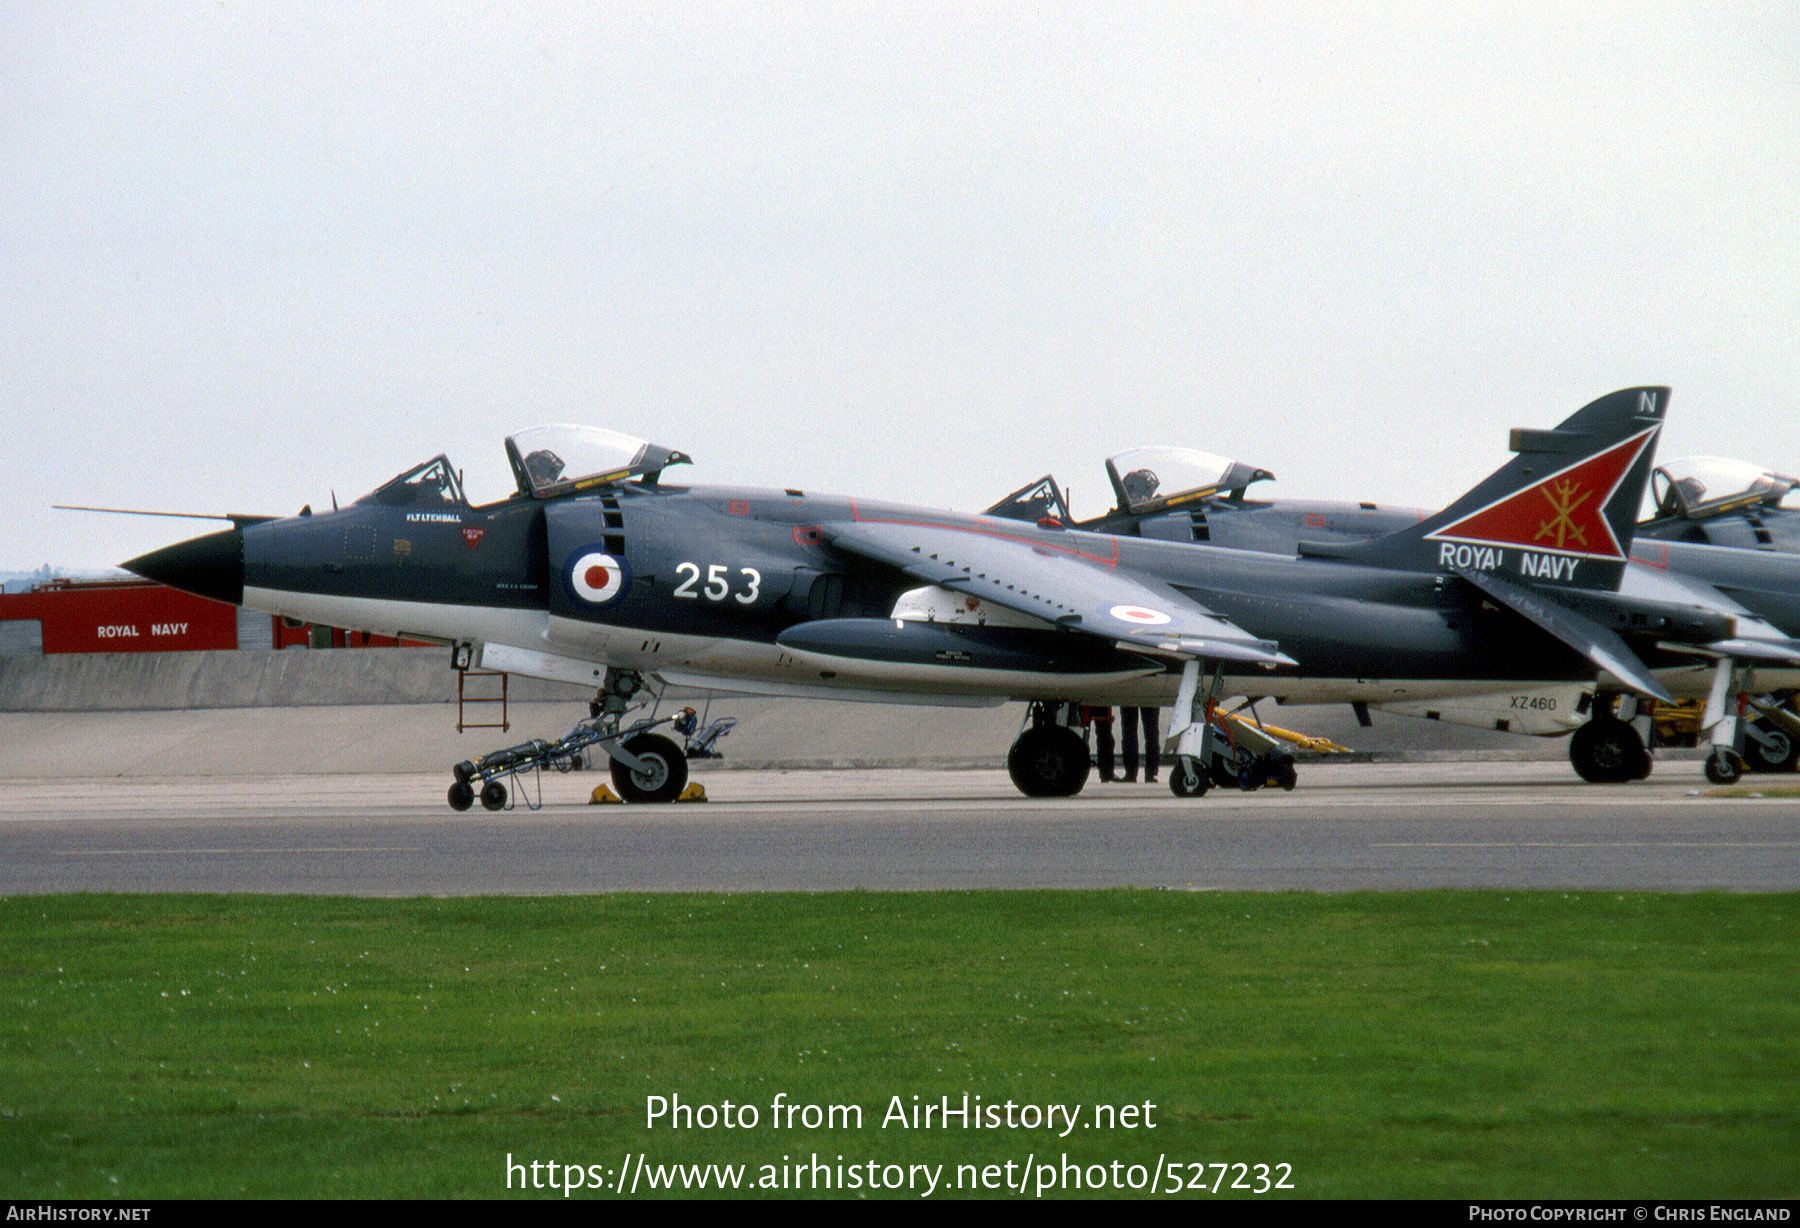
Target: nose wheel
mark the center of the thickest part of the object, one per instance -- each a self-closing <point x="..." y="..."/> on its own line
<point x="1769" y="748"/>
<point x="663" y="773"/>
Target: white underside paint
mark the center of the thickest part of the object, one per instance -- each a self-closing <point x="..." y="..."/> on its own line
<point x="795" y="690"/>
<point x="1542" y="711"/>
<point x="536" y="663"/>
<point x="418" y="619"/>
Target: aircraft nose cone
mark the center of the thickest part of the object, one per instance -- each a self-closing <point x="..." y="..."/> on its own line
<point x="212" y="566"/>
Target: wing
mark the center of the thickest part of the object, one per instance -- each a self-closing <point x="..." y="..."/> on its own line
<point x="1597" y="643"/>
<point x="1059" y="584"/>
<point x="1715" y="625"/>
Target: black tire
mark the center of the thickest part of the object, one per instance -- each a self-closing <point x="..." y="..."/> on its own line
<point x="1607" y="751"/>
<point x="665" y="774"/>
<point x="1288" y="777"/>
<point x="1188" y="780"/>
<point x="1049" y="761"/>
<point x="1722" y="767"/>
<point x="493" y="795"/>
<point x="461" y="796"/>
<point x="1780" y="755"/>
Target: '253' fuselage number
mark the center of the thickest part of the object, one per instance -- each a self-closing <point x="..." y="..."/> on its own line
<point x="718" y="582"/>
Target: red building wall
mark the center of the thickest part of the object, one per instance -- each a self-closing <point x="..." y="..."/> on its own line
<point x="140" y="616"/>
<point x="123" y="616"/>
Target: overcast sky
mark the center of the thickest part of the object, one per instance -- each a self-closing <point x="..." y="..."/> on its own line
<point x="251" y="254"/>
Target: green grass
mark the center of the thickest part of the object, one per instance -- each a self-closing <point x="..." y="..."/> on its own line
<point x="1442" y="1044"/>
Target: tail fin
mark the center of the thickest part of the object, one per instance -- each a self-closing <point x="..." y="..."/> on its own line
<point x="1561" y="513"/>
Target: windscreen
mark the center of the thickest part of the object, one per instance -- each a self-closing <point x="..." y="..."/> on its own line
<point x="432" y="485"/>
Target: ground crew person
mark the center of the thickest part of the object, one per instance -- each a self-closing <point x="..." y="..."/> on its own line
<point x="1152" y="743"/>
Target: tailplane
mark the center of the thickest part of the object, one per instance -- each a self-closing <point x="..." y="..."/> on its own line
<point x="1561" y="513"/>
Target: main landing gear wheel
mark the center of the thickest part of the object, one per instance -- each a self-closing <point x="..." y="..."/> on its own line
<point x="1049" y="761"/>
<point x="1188" y="779"/>
<point x="493" y="795"/>
<point x="1607" y="751"/>
<point x="461" y="796"/>
<point x="663" y="777"/>
<point x="1722" y="767"/>
<point x="1778" y="754"/>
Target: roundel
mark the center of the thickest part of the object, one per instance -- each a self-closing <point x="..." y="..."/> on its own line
<point x="597" y="578"/>
<point x="1142" y="615"/>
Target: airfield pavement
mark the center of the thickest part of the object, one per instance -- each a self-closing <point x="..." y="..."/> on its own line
<point x="237" y="772"/>
<point x="1359" y="826"/>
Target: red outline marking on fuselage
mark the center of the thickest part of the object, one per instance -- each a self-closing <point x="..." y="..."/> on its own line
<point x="979" y="529"/>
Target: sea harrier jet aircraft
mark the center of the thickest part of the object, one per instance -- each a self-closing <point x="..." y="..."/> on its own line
<point x="1720" y="539"/>
<point x="601" y="571"/>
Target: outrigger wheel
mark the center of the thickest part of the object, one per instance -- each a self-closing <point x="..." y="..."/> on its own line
<point x="663" y="776"/>
<point x="1722" y="767"/>
<point x="1189" y="779"/>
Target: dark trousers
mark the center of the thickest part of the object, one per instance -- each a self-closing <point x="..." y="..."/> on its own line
<point x="1103" y="747"/>
<point x="1152" y="741"/>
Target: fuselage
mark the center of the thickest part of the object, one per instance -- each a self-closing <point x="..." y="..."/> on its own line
<point x="740" y="587"/>
<point x="1669" y="565"/>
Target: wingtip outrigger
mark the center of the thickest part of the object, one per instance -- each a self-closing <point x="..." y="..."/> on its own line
<point x="1211" y="748"/>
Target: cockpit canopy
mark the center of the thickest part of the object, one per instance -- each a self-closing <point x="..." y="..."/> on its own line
<point x="432" y="486"/>
<point x="1702" y="486"/>
<point x="1152" y="479"/>
<point x="548" y="461"/>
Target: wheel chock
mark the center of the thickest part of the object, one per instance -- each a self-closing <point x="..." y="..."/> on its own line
<point x="695" y="792"/>
<point x="604" y="796"/>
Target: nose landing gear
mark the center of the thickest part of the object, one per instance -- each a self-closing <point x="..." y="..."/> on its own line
<point x="646" y="766"/>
